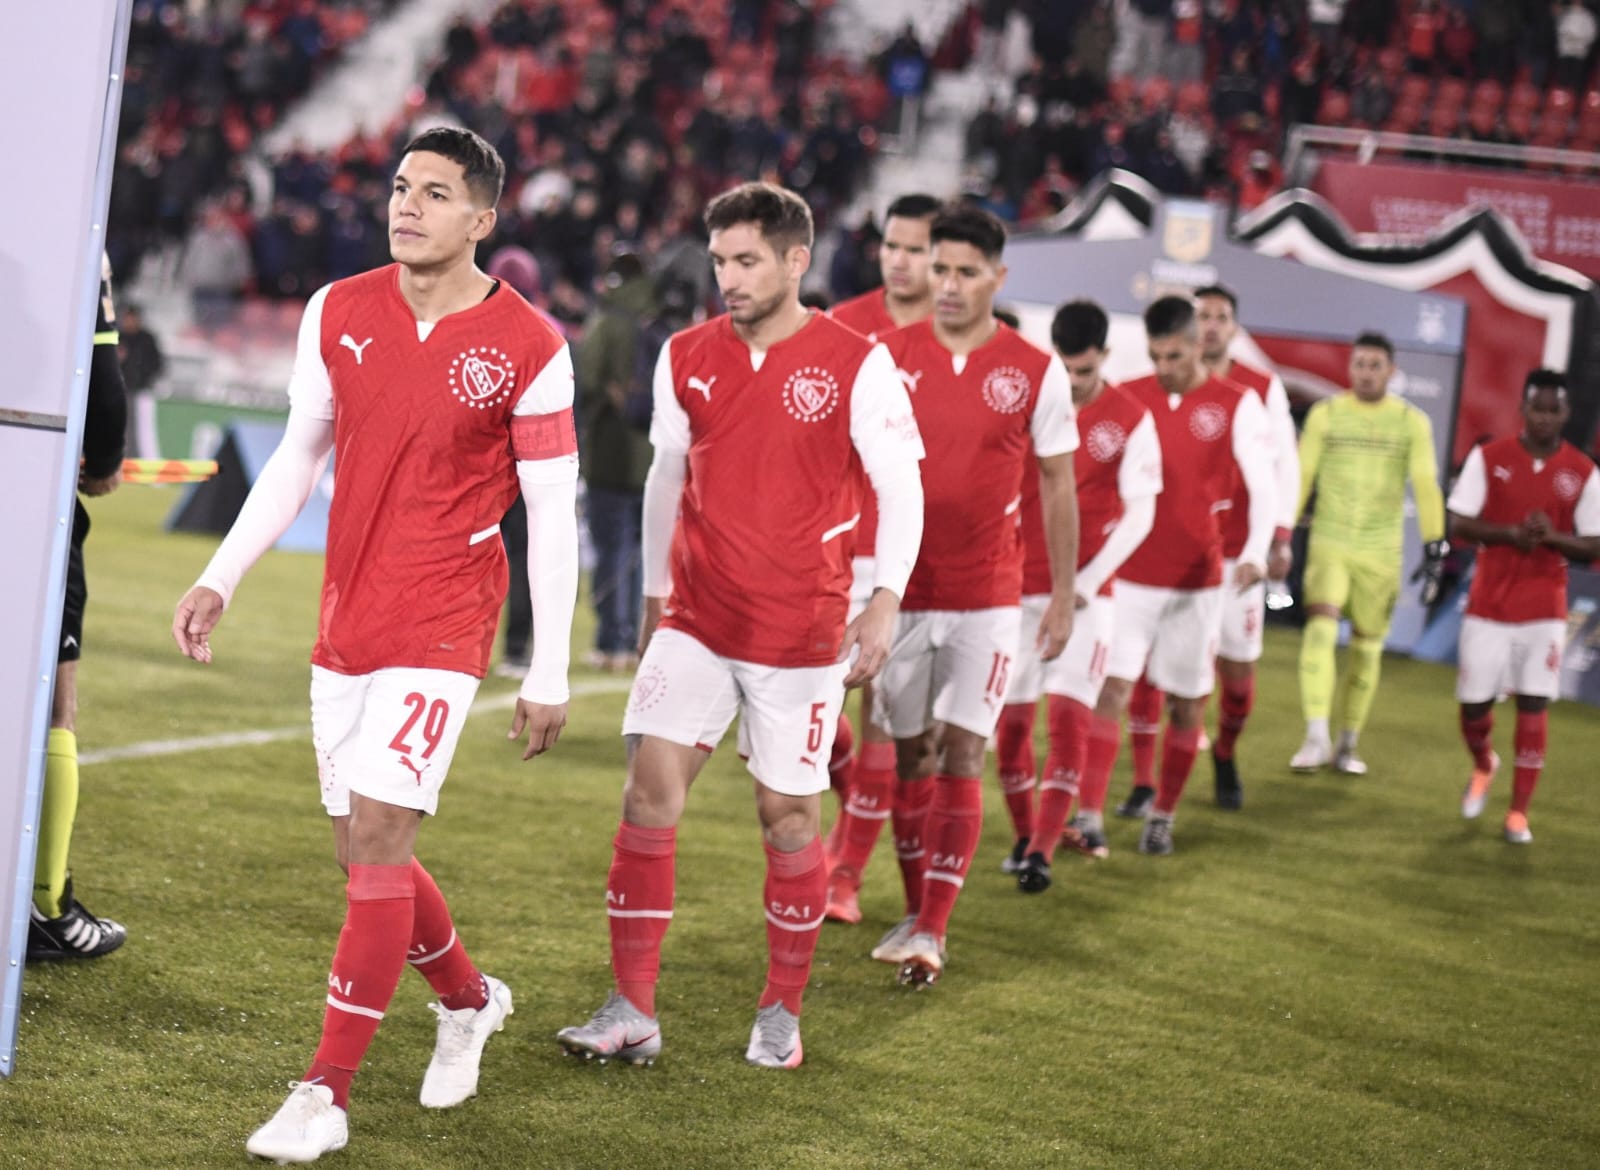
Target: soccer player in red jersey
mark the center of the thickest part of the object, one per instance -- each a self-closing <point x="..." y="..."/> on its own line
<point x="1118" y="475"/>
<point x="1243" y="614"/>
<point x="1530" y="503"/>
<point x="764" y="419"/>
<point x="868" y="789"/>
<point x="993" y="408"/>
<point x="442" y="393"/>
<point x="1169" y="594"/>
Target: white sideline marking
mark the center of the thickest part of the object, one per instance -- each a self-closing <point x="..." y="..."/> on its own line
<point x="228" y="739"/>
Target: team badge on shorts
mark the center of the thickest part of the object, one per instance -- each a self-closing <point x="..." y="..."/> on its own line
<point x="1208" y="422"/>
<point x="1567" y="485"/>
<point x="1006" y="389"/>
<point x="1105" y="440"/>
<point x="810" y="394"/>
<point x="649" y="688"/>
<point x="482" y="377"/>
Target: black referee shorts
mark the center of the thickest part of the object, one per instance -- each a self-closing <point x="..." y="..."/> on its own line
<point x="77" y="589"/>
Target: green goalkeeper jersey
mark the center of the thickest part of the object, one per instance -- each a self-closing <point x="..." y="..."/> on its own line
<point x="1358" y="456"/>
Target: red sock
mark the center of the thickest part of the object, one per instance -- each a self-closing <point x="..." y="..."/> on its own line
<point x="1532" y="728"/>
<point x="1238" y="697"/>
<point x="1144" y="724"/>
<point x="639" y="907"/>
<point x="796" y="890"/>
<point x="1479" y="737"/>
<point x="1105" y="740"/>
<point x="380" y="904"/>
<point x="1018" y="767"/>
<point x="955" y="820"/>
<point x="1063" y="770"/>
<point x="1177" y="761"/>
<point x="911" y="800"/>
<point x="436" y="952"/>
<point x="871" y="801"/>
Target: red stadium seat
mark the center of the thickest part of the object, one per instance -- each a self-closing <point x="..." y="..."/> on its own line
<point x="1155" y="94"/>
<point x="1194" y="97"/>
<point x="1414" y="90"/>
<point x="1404" y="118"/>
<point x="1444" y="121"/>
<point x="1452" y="91"/>
<point x="1391" y="60"/>
<point x="1488" y="94"/>
<point x="1520" y="123"/>
<point x="1560" y="102"/>
<point x="1121" y="90"/>
<point x="1334" y="109"/>
<point x="1481" y="120"/>
<point x="1525" y="96"/>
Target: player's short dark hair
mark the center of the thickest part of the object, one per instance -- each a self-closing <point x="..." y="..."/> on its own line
<point x="913" y="206"/>
<point x="1169" y="316"/>
<point x="816" y="299"/>
<point x="782" y="216"/>
<point x="1219" y="290"/>
<point x="1006" y="316"/>
<point x="1079" y="326"/>
<point x="480" y="162"/>
<point x="1372" y="339"/>
<point x="970" y="225"/>
<point x="1544" y="379"/>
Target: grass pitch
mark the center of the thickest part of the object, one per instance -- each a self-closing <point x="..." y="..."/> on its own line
<point x="1344" y="974"/>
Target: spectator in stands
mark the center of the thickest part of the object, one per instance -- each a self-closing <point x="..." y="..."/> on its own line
<point x="1458" y="44"/>
<point x="1186" y="56"/>
<point x="1498" y="25"/>
<point x="1260" y="181"/>
<point x="1575" y="37"/>
<point x="1422" y="35"/>
<point x="905" y="68"/>
<point x="1301" y="93"/>
<point x="1538" y="49"/>
<point x="1237" y="89"/>
<point x="1111" y="152"/>
<point x="1371" y="100"/>
<point x="1369" y="21"/>
<point x="142" y="366"/>
<point x="1162" y="167"/>
<point x="216" y="268"/>
<point x="1325" y="16"/>
<point x="992" y="18"/>
<point x="1141" y="38"/>
<point x="1093" y="45"/>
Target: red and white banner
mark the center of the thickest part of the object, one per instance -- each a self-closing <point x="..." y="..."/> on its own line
<point x="1559" y="218"/>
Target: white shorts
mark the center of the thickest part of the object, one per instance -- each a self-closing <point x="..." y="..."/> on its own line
<point x="388" y="735"/>
<point x="1167" y="635"/>
<point x="1081" y="669"/>
<point x="947" y="667"/>
<point x="1027" y="668"/>
<point x="1505" y="658"/>
<point x="1242" y="615"/>
<point x="864" y="571"/>
<point x="685" y="694"/>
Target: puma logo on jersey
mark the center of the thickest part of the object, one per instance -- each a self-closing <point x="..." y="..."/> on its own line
<point x="910" y="381"/>
<point x="1503" y="474"/>
<point x="350" y="343"/>
<point x="406" y="760"/>
<point x="703" y="386"/>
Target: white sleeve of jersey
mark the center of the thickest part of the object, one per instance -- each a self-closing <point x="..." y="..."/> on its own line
<point x="310" y="387"/>
<point x="669" y="422"/>
<point x="1471" y="492"/>
<point x="1252" y="451"/>
<point x="550" y="392"/>
<point x="1054" y="424"/>
<point x="1140" y="472"/>
<point x="1138" y="518"/>
<point x="280" y="491"/>
<point x="552" y="577"/>
<point x="883" y="427"/>
<point x="1285" y="451"/>
<point x="1586" y="516"/>
<point x="663" y="490"/>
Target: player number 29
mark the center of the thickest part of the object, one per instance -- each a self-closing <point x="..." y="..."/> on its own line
<point x="437" y="715"/>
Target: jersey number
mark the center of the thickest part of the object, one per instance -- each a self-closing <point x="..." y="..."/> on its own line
<point x="815" y="732"/>
<point x="999" y="669"/>
<point x="438" y="714"/>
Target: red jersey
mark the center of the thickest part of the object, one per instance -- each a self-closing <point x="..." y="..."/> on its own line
<point x="415" y="573"/>
<point x="1236" y="519"/>
<point x="760" y="569"/>
<point x="1501" y="483"/>
<point x="1118" y="460"/>
<point x="867" y="314"/>
<point x="984" y="418"/>
<point x="1206" y="436"/>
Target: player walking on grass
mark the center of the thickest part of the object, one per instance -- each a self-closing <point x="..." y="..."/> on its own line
<point x="993" y="408"/>
<point x="867" y="793"/>
<point x="1118" y="476"/>
<point x="1170" y="594"/>
<point x="1357" y="451"/>
<point x="763" y="420"/>
<point x="440" y="392"/>
<point x="1531" y="502"/>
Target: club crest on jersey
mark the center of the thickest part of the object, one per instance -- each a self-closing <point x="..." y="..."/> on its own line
<point x="1208" y="422"/>
<point x="482" y="377"/>
<point x="1567" y="485"/>
<point x="810" y="394"/>
<point x="1105" y="440"/>
<point x="649" y="687"/>
<point x="1006" y="389"/>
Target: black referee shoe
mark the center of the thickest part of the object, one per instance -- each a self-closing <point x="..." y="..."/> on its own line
<point x="1230" y="793"/>
<point x="77" y="934"/>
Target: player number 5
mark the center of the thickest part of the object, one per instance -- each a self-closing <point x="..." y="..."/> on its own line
<point x="438" y="714"/>
<point x="815" y="732"/>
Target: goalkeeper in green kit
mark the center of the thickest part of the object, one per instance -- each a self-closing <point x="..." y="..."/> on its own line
<point x="1357" y="451"/>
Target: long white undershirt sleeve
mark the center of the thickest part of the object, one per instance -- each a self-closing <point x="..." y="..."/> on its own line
<point x="1253" y="451"/>
<point x="1472" y="486"/>
<point x="1138" y="483"/>
<point x="1285" y="452"/>
<point x="552" y="579"/>
<point x="884" y="432"/>
<point x="663" y="486"/>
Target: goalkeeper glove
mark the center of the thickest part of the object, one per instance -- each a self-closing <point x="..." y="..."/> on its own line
<point x="1431" y="570"/>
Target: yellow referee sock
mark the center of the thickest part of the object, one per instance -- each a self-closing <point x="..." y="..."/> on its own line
<point x="57" y="812"/>
<point x="1361" y="680"/>
<point x="1317" y="667"/>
